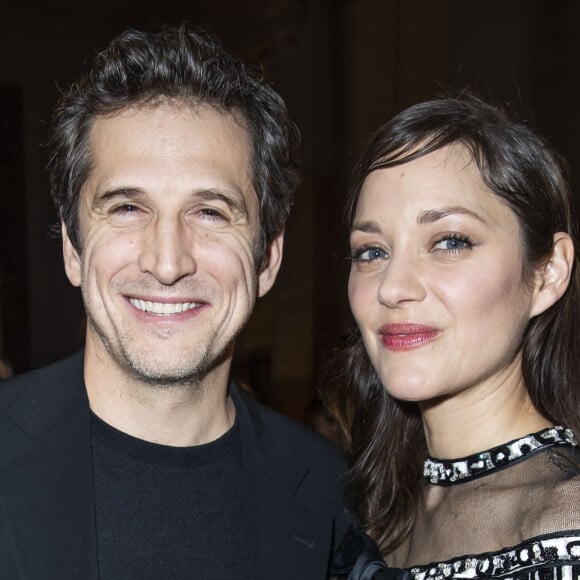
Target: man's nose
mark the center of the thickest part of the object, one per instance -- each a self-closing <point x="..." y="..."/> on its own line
<point x="167" y="252"/>
<point x="401" y="282"/>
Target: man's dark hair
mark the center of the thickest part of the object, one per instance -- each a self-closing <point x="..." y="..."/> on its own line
<point x="182" y="66"/>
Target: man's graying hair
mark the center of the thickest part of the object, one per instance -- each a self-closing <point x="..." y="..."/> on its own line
<point x="182" y="66"/>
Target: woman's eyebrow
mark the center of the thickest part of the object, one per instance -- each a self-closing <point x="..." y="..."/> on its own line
<point x="367" y="227"/>
<point x="432" y="215"/>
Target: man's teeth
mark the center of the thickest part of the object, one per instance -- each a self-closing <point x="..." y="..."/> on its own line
<point x="162" y="308"/>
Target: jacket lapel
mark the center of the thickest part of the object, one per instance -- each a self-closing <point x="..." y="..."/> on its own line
<point x="290" y="539"/>
<point x="46" y="481"/>
<point x="47" y="496"/>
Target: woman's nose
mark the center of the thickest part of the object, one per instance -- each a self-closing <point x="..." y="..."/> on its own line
<point x="401" y="282"/>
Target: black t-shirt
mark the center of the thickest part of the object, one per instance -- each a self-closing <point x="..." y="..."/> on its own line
<point x="169" y="513"/>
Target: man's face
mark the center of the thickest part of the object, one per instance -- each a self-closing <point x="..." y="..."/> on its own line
<point x="169" y="224"/>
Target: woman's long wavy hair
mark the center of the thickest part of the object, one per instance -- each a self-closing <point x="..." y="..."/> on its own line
<point x="385" y="436"/>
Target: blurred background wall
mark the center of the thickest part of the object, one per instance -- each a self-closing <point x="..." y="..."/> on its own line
<point x="343" y="67"/>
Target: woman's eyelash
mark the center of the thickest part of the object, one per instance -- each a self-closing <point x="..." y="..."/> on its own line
<point x="367" y="254"/>
<point x="450" y="243"/>
<point x="454" y="243"/>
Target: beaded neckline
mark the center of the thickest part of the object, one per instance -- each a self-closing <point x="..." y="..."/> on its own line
<point x="450" y="471"/>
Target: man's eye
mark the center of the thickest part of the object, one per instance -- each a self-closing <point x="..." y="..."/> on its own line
<point x="212" y="213"/>
<point x="125" y="208"/>
<point x="368" y="254"/>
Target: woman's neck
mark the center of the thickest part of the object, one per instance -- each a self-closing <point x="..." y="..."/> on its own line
<point x="479" y="419"/>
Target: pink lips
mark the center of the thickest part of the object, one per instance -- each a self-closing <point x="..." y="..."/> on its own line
<point x="399" y="337"/>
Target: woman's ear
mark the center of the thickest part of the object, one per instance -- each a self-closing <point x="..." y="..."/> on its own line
<point x="553" y="277"/>
<point x="271" y="264"/>
<point x="72" y="261"/>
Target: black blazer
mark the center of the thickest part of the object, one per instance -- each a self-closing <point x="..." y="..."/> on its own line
<point x="47" y="520"/>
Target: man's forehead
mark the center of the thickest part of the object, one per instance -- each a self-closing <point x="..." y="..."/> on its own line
<point x="180" y="106"/>
<point x="194" y="136"/>
<point x="176" y="123"/>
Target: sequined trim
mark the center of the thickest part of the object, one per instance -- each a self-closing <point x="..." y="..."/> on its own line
<point x="532" y="559"/>
<point x="440" y="472"/>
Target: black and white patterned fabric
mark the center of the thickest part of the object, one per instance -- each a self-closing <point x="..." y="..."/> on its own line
<point x="543" y="558"/>
<point x="439" y="472"/>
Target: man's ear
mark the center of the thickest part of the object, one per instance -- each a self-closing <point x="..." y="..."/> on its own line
<point x="553" y="277"/>
<point x="271" y="264"/>
<point x="72" y="261"/>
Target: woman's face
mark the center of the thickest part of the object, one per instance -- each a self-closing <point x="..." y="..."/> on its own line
<point x="436" y="284"/>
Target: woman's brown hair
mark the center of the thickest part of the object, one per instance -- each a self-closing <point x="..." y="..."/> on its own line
<point x="385" y="436"/>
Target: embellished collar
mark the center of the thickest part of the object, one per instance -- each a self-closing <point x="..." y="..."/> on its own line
<point x="450" y="471"/>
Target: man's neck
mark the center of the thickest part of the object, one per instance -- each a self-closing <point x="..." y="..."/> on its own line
<point x="176" y="415"/>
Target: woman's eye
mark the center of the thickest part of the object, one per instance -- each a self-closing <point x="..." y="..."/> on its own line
<point x="368" y="254"/>
<point x="453" y="243"/>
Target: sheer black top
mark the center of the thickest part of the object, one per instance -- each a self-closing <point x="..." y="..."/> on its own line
<point x="510" y="512"/>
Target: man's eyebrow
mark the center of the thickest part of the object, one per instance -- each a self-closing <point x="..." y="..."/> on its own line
<point x="102" y="197"/>
<point x="234" y="200"/>
<point x="432" y="215"/>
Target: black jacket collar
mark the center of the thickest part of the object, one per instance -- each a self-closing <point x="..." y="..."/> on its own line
<point x="46" y="486"/>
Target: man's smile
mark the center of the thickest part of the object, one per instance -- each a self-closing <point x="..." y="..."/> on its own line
<point x="163" y="308"/>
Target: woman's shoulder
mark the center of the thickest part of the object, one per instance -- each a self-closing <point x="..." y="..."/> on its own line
<point x="567" y="460"/>
<point x="549" y="501"/>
